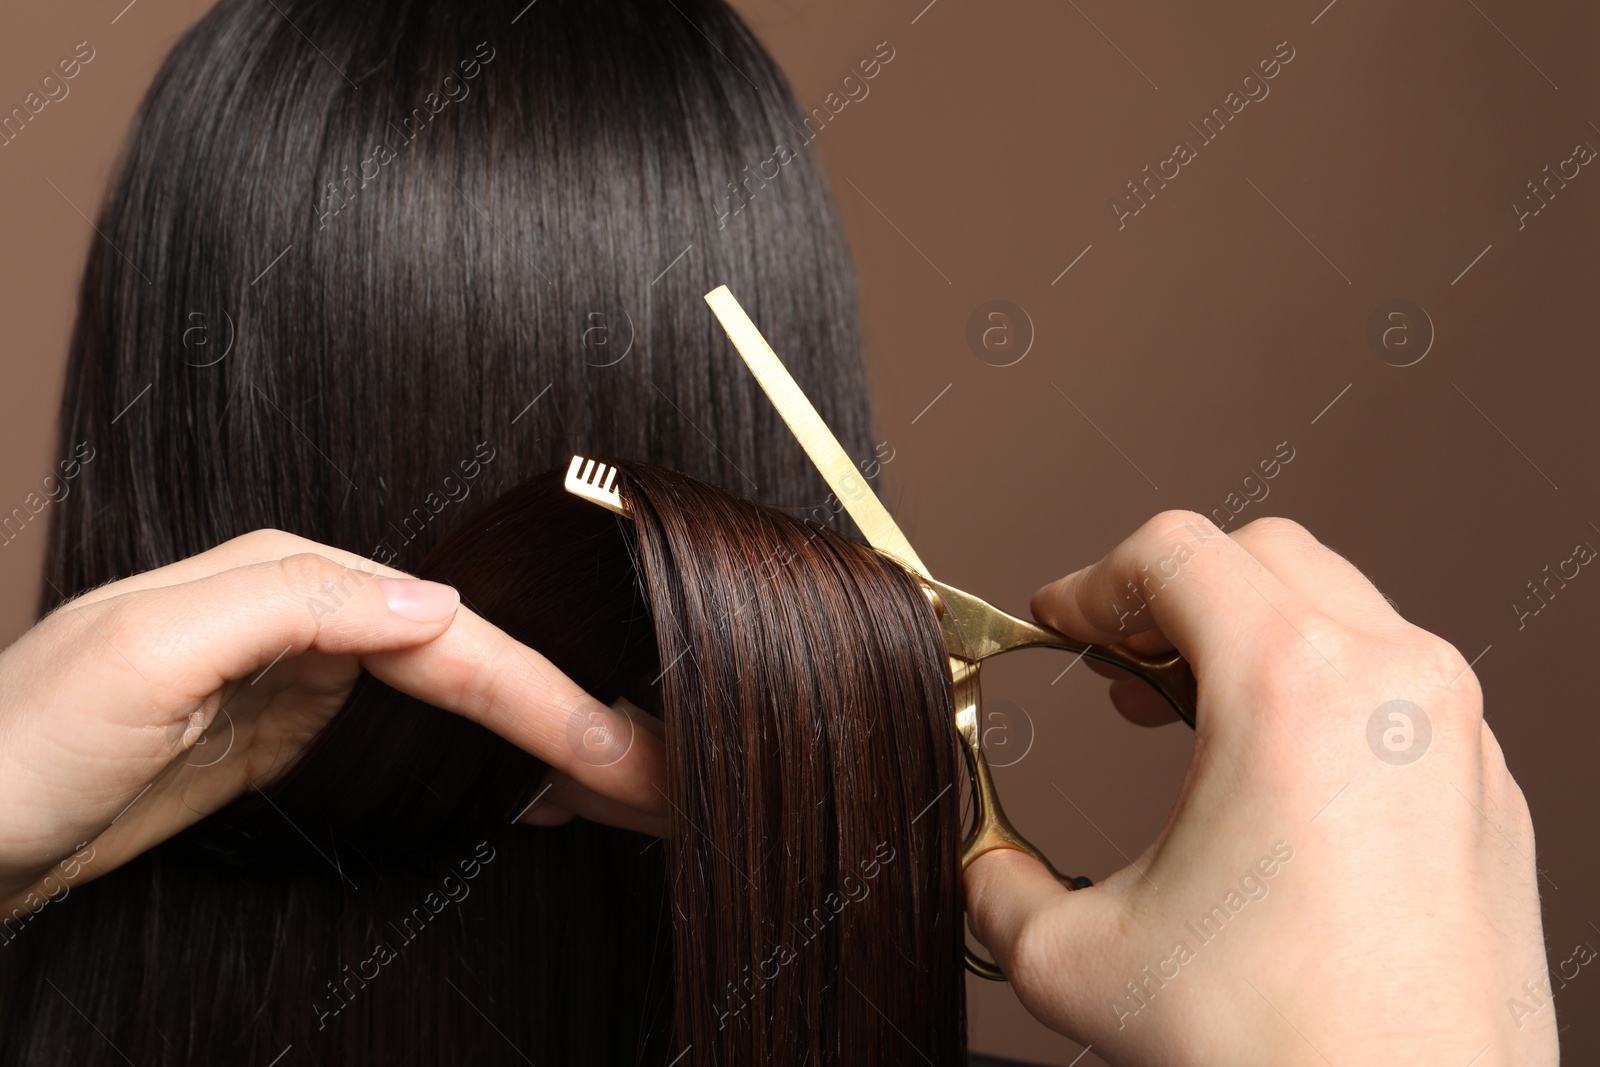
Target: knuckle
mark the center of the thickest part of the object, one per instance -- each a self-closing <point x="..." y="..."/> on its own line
<point x="311" y="575"/>
<point x="1175" y="532"/>
<point x="1434" y="651"/>
<point x="480" y="684"/>
<point x="1278" y="529"/>
<point x="1309" y="633"/>
<point x="1298" y="657"/>
<point x="1442" y="663"/>
<point x="1430" y="670"/>
<point x="1323" y="632"/>
<point x="1178" y="522"/>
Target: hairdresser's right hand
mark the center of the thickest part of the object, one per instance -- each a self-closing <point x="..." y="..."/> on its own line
<point x="1347" y="874"/>
<point x="105" y="705"/>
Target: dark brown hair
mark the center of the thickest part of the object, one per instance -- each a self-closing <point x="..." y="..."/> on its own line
<point x="520" y="281"/>
<point x="376" y="375"/>
<point x="812" y="751"/>
<point x="805" y="907"/>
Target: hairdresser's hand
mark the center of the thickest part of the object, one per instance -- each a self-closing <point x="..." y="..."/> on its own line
<point x="110" y="734"/>
<point x="1343" y="878"/>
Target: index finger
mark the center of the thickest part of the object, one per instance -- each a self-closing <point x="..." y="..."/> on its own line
<point x="473" y="669"/>
<point x="1179" y="574"/>
<point x="482" y="673"/>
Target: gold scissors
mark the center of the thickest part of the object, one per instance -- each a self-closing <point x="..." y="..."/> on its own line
<point x="973" y="629"/>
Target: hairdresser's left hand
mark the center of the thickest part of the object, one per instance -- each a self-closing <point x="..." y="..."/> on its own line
<point x="142" y="706"/>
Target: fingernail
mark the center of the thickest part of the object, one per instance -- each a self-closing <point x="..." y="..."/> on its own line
<point x="419" y="601"/>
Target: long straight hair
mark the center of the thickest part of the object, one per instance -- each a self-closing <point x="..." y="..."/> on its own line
<point x="375" y="905"/>
<point x="368" y="266"/>
<point x="810" y="730"/>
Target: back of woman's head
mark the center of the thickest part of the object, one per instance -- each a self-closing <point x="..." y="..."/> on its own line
<point x="369" y="263"/>
<point x="368" y="266"/>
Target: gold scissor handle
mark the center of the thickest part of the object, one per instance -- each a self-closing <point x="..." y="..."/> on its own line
<point x="975" y="629"/>
<point x="1169" y="674"/>
<point x="990" y="828"/>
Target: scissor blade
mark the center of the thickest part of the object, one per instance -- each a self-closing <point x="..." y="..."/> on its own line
<point x="838" y="470"/>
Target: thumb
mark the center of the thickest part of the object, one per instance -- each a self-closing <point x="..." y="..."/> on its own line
<point x="189" y="639"/>
<point x="100" y="698"/>
<point x="1044" y="936"/>
<point x="1008" y="893"/>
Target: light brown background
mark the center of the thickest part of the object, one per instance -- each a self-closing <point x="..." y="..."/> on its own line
<point x="1224" y="319"/>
